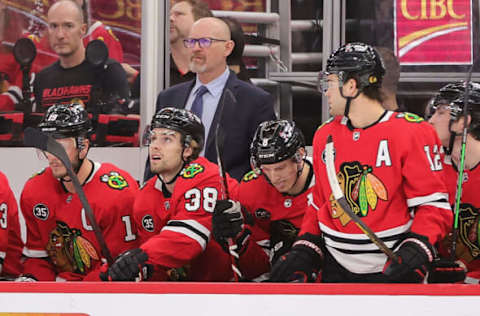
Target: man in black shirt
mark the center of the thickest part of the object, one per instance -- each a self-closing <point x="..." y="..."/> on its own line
<point x="102" y="89"/>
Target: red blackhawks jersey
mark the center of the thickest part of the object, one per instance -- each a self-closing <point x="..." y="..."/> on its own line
<point x="100" y="31"/>
<point x="385" y="170"/>
<point x="177" y="228"/>
<point x="10" y="243"/>
<point x="267" y="205"/>
<point x="61" y="243"/>
<point x="468" y="247"/>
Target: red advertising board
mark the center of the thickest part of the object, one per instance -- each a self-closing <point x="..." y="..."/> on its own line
<point x="433" y="32"/>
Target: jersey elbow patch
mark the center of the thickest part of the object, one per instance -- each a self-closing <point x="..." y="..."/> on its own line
<point x="191" y="229"/>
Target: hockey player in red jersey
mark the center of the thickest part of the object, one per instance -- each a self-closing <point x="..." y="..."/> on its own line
<point x="10" y="243"/>
<point x="61" y="243"/>
<point x="173" y="210"/>
<point x="274" y="194"/>
<point x="388" y="166"/>
<point x="447" y="118"/>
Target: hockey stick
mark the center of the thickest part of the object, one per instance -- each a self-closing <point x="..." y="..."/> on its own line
<point x="219" y="146"/>
<point x="35" y="138"/>
<point x="458" y="194"/>
<point x="340" y="198"/>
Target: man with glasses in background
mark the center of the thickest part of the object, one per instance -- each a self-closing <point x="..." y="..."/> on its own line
<point x="217" y="90"/>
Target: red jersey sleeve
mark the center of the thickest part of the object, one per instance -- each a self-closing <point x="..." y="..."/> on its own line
<point x="425" y="188"/>
<point x="12" y="264"/>
<point x="104" y="33"/>
<point x="39" y="222"/>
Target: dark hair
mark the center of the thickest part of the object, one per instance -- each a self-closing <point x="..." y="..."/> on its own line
<point x="237" y="36"/>
<point x="392" y="69"/>
<point x="200" y="8"/>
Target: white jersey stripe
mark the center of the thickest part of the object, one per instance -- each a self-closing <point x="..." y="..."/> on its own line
<point x="187" y="232"/>
<point x="428" y="198"/>
<point x="382" y="234"/>
<point x="442" y="205"/>
<point x="360" y="263"/>
<point x="34" y="253"/>
<point x="2" y="255"/>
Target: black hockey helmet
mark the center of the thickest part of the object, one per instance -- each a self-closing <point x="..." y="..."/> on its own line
<point x="453" y="95"/>
<point x="66" y="120"/>
<point x="275" y="141"/>
<point x="182" y="121"/>
<point x="357" y="60"/>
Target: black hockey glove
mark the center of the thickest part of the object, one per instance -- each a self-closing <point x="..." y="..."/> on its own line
<point x="228" y="221"/>
<point x="415" y="256"/>
<point x="446" y="271"/>
<point x="282" y="235"/>
<point x="129" y="266"/>
<point x="301" y="263"/>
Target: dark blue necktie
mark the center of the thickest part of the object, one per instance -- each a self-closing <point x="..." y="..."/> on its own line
<point x="197" y="105"/>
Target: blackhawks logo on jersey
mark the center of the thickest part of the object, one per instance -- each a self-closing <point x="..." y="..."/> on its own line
<point x="468" y="233"/>
<point x="191" y="170"/>
<point x="362" y="190"/>
<point x="114" y="180"/>
<point x="69" y="251"/>
<point x="410" y="117"/>
<point x="249" y="176"/>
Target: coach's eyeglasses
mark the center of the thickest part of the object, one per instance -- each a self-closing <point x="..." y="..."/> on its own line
<point x="203" y="42"/>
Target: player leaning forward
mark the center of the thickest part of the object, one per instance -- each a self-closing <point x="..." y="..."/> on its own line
<point x="61" y="243"/>
<point x="173" y="210"/>
<point x="389" y="168"/>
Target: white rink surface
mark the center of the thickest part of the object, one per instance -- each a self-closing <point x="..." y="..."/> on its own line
<point x="237" y="304"/>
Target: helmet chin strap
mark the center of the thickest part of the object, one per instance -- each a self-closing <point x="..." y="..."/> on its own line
<point x="349" y="100"/>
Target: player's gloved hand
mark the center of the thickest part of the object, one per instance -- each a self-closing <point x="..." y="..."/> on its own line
<point x="301" y="263"/>
<point x="228" y="222"/>
<point x="444" y="270"/>
<point x="26" y="278"/>
<point x="415" y="255"/>
<point x="129" y="266"/>
<point x="282" y="235"/>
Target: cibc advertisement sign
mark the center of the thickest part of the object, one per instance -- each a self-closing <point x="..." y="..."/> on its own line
<point x="433" y="32"/>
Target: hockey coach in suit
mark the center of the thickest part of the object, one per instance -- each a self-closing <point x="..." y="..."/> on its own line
<point x="217" y="96"/>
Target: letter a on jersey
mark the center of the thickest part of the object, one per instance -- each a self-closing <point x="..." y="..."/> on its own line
<point x="383" y="154"/>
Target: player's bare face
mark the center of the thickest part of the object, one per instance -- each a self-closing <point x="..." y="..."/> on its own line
<point x="165" y="152"/>
<point x="65" y="30"/>
<point x="58" y="169"/>
<point x="440" y="121"/>
<point x="336" y="103"/>
<point x="181" y="20"/>
<point x="282" y="175"/>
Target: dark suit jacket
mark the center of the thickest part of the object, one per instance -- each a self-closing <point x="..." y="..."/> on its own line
<point x="240" y="118"/>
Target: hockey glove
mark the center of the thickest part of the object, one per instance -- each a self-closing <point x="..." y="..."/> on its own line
<point x="446" y="271"/>
<point x="228" y="221"/>
<point x="301" y="263"/>
<point x="129" y="266"/>
<point x="26" y="278"/>
<point x="282" y="235"/>
<point x="415" y="255"/>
